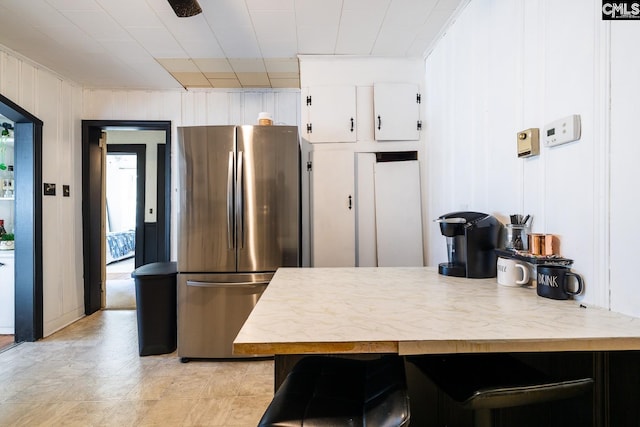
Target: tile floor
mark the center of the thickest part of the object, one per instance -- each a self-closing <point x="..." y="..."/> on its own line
<point x="90" y="374"/>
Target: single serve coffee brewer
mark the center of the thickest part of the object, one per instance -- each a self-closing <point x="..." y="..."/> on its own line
<point x="472" y="238"/>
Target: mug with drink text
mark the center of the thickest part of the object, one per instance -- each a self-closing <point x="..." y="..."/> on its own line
<point x="554" y="281"/>
<point x="512" y="272"/>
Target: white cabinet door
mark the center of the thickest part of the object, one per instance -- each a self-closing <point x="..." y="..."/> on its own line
<point x="332" y="209"/>
<point x="398" y="214"/>
<point x="397" y="111"/>
<point x="331" y="113"/>
<point x="7" y="294"/>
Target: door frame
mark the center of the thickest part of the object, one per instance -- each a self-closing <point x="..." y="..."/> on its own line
<point x="140" y="150"/>
<point x="92" y="201"/>
<point x="28" y="225"/>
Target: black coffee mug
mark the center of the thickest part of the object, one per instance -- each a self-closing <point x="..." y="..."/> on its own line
<point x="553" y="282"/>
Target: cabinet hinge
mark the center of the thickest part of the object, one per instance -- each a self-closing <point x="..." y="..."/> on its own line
<point x="308" y="100"/>
<point x="309" y="128"/>
<point x="418" y="98"/>
<point x="309" y="167"/>
<point x="419" y="127"/>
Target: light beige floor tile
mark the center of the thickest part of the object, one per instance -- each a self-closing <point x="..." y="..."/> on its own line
<point x="168" y="412"/>
<point x="90" y="374"/>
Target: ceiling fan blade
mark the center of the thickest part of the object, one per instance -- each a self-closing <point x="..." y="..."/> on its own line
<point x="185" y="8"/>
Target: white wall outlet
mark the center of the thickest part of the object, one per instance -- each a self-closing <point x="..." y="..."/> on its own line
<point x="561" y="131"/>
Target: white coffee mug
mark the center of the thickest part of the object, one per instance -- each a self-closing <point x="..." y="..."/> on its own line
<point x="512" y="272"/>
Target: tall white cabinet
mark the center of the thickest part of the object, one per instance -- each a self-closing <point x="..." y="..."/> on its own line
<point x="332" y="209"/>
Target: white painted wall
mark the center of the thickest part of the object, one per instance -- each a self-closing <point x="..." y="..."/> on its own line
<point x="505" y="66"/>
<point x="625" y="152"/>
<point x="58" y="103"/>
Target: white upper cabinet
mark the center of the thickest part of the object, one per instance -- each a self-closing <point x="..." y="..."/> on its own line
<point x="397" y="111"/>
<point x="330" y="114"/>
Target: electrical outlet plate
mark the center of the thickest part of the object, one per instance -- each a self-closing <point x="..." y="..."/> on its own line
<point x="561" y="131"/>
<point x="529" y="142"/>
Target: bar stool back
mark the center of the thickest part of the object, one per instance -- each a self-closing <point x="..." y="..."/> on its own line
<point x="484" y="382"/>
<point x="323" y="391"/>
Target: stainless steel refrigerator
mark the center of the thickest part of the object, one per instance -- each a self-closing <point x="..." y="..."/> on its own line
<point x="238" y="221"/>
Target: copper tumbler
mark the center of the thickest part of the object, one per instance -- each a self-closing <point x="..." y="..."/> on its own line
<point x="543" y="244"/>
<point x="536" y="244"/>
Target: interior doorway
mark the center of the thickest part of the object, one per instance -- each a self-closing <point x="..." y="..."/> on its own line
<point x="28" y="222"/>
<point x="152" y="239"/>
<point x="124" y="197"/>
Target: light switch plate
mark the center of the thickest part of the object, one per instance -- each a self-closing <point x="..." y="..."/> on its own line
<point x="528" y="142"/>
<point x="49" y="189"/>
<point x="561" y="131"/>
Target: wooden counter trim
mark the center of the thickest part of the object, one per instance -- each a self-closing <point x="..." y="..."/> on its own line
<point x="518" y="346"/>
<point x="316" y="348"/>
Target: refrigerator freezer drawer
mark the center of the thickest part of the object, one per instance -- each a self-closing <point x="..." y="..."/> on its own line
<point x="211" y="310"/>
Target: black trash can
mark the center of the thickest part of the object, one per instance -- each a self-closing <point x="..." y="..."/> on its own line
<point x="156" y="302"/>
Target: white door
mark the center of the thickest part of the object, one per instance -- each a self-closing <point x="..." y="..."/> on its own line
<point x="398" y="214"/>
<point x="332" y="209"/>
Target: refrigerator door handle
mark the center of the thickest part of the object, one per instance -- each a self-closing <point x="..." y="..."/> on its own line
<point x="226" y="284"/>
<point x="230" y="242"/>
<point x="240" y="200"/>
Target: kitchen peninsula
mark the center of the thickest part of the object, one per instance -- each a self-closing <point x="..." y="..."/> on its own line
<point x="412" y="311"/>
<point x="409" y="310"/>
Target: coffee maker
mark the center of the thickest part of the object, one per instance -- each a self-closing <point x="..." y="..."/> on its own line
<point x="472" y="238"/>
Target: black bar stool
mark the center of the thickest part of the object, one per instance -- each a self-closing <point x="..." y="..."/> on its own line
<point x="323" y="391"/>
<point x="484" y="382"/>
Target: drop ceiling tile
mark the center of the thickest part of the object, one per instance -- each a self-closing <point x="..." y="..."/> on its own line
<point x="374" y="5"/>
<point x="191" y="79"/>
<point x="225" y="83"/>
<point x="318" y="13"/>
<point x="127" y="50"/>
<point x="282" y="65"/>
<point x="97" y="24"/>
<point x="226" y="14"/>
<point x="409" y="12"/>
<point x="213" y="65"/>
<point x="242" y="65"/>
<point x="394" y="40"/>
<point x="358" y="31"/>
<point x="283" y="75"/>
<point x="202" y="48"/>
<point x="316" y="40"/>
<point x="211" y="75"/>
<point x="74" y="4"/>
<point x="450" y="5"/>
<point x="132" y="17"/>
<point x="285" y="83"/>
<point x="158" y="42"/>
<point x="178" y="65"/>
<point x="270" y="4"/>
<point x="253" y="79"/>
<point x="239" y="42"/>
<point x="274" y="24"/>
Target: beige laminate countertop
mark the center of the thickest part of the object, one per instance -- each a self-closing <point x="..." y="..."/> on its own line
<point x="417" y="311"/>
